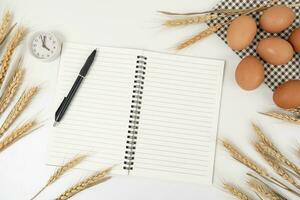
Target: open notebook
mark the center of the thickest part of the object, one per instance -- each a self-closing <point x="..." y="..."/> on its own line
<point x="153" y="114"/>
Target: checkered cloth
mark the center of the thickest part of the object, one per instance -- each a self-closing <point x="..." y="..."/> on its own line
<point x="274" y="75"/>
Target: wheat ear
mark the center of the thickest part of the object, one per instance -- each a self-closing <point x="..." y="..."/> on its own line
<point x="237" y="155"/>
<point x="263" y="137"/>
<point x="11" y="90"/>
<point x="17" y="134"/>
<point x="240" y="157"/>
<point x="264" y="190"/>
<point x="199" y="36"/>
<point x="5" y="26"/>
<point x="61" y="171"/>
<point x="283" y="117"/>
<point x="22" y="103"/>
<point x="95" y="179"/>
<point x="190" y="20"/>
<point x="279" y="157"/>
<point x="295" y="111"/>
<point x="236" y="192"/>
<point x="267" y="147"/>
<point x="15" y="41"/>
<point x="276" y="167"/>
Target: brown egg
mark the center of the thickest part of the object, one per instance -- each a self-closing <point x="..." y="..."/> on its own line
<point x="241" y="32"/>
<point x="287" y="95"/>
<point x="249" y="73"/>
<point x="277" y="19"/>
<point x="295" y="39"/>
<point x="275" y="50"/>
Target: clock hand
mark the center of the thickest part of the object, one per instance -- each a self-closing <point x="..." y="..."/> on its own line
<point x="44" y="43"/>
<point x="42" y="39"/>
<point x="46" y="48"/>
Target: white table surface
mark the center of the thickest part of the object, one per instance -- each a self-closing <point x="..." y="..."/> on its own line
<point x="132" y="24"/>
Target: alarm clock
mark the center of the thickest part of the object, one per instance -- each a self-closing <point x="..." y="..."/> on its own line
<point x="45" y="46"/>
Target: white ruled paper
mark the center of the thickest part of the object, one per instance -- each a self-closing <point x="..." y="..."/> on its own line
<point x="96" y="123"/>
<point x="178" y="118"/>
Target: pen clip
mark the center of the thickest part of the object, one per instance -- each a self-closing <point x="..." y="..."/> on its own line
<point x="60" y="107"/>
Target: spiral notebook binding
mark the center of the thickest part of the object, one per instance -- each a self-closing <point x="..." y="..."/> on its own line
<point x="136" y="102"/>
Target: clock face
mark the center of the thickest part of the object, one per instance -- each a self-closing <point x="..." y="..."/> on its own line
<point x="45" y="46"/>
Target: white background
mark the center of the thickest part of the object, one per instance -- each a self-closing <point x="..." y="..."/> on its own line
<point x="131" y="24"/>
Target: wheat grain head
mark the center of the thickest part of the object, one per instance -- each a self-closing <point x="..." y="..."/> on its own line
<point x="95" y="179"/>
<point x="5" y="25"/>
<point x="22" y="103"/>
<point x="236" y="192"/>
<point x="276" y="166"/>
<point x="190" y="20"/>
<point x="64" y="168"/>
<point x="15" y="41"/>
<point x="263" y="137"/>
<point x="279" y="157"/>
<point x="17" y="134"/>
<point x="11" y="89"/>
<point x="239" y="156"/>
<point x="199" y="36"/>
<point x="283" y="117"/>
<point x="264" y="190"/>
<point x="61" y="171"/>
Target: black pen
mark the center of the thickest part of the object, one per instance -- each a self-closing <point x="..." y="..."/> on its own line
<point x="67" y="100"/>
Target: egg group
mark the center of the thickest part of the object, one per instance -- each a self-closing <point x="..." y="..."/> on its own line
<point x="249" y="73"/>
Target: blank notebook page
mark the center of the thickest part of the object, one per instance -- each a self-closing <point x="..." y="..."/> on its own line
<point x="179" y="117"/>
<point x="96" y="123"/>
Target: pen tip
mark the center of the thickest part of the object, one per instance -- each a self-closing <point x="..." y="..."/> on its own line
<point x="55" y="124"/>
<point x="93" y="53"/>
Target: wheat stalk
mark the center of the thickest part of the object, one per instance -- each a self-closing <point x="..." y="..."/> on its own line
<point x="61" y="171"/>
<point x="5" y="26"/>
<point x="227" y="11"/>
<point x="22" y="103"/>
<point x="190" y="20"/>
<point x="15" y="41"/>
<point x="199" y="36"/>
<point x="276" y="167"/>
<point x="279" y="157"/>
<point x="17" y="134"/>
<point x="237" y="155"/>
<point x="215" y="28"/>
<point x="11" y="89"/>
<point x="283" y="117"/>
<point x="264" y="190"/>
<point x="216" y="11"/>
<point x="236" y="192"/>
<point x="95" y="179"/>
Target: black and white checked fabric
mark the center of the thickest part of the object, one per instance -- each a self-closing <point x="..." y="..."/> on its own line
<point x="274" y="75"/>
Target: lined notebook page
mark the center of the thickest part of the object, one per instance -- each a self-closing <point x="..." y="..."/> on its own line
<point x="179" y="117"/>
<point x="96" y="123"/>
